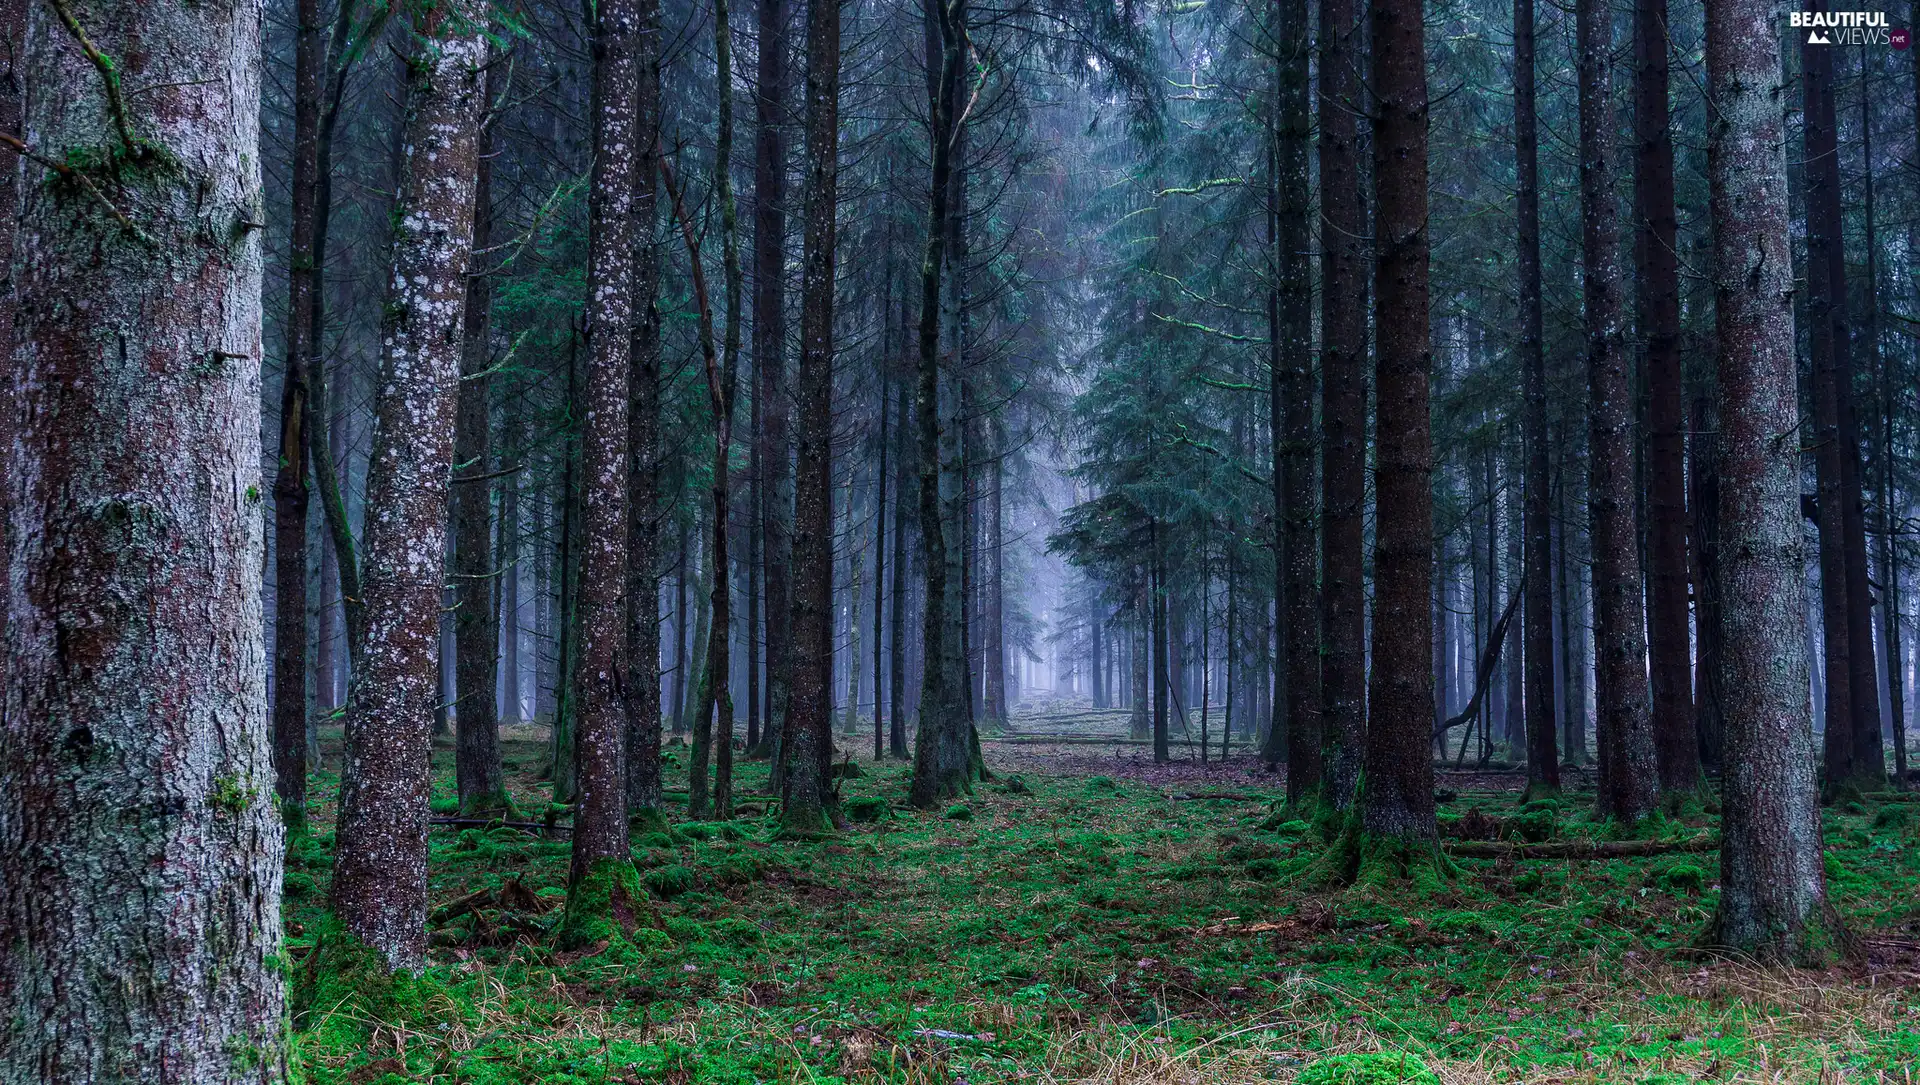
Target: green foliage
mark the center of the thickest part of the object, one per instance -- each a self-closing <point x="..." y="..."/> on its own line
<point x="867" y="809"/>
<point x="1368" y="1069"/>
<point x="959" y="811"/>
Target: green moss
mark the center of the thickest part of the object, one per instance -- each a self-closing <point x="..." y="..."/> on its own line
<point x="231" y="796"/>
<point x="1101" y="783"/>
<point x="1368" y="1069"/>
<point x="868" y="808"/>
<point x="602" y="905"/>
<point x="959" y="811"/>
<point x="670" y="881"/>
<point x="1683" y="878"/>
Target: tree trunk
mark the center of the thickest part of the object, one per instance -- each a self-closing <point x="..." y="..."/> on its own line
<point x="994" y="669"/>
<point x="1773" y="897"/>
<point x="1291" y="392"/>
<point x="880" y="572"/>
<point x="769" y="358"/>
<point x="139" y="850"/>
<point x="1162" y="677"/>
<point x="809" y="725"/>
<point x="1343" y="398"/>
<point x="602" y="886"/>
<point x="1630" y="776"/>
<point x="290" y="480"/>
<point x="512" y="706"/>
<point x="942" y="761"/>
<point x="380" y="866"/>
<point x="1543" y="759"/>
<point x="476" y="625"/>
<point x="1398" y="799"/>
<point x="897" y="662"/>
<point x="644" y="789"/>
<point x="1657" y="277"/>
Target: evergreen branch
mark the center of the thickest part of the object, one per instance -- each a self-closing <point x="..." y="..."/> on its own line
<point x="1231" y="336"/>
<point x="68" y="173"/>
<point x="1194" y="190"/>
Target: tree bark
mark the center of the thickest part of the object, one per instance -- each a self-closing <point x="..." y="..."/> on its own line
<point x="1773" y="897"/>
<point x="771" y="117"/>
<point x="897" y="650"/>
<point x="942" y="759"/>
<point x="809" y="724"/>
<point x="1542" y="727"/>
<point x="1657" y="277"/>
<point x="290" y="480"/>
<point x="380" y="866"/>
<point x="1292" y="406"/>
<point x="139" y="849"/>
<point x="1398" y="798"/>
<point x="476" y="631"/>
<point x="1629" y="776"/>
<point x="1343" y="399"/>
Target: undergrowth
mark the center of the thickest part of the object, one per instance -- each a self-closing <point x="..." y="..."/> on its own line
<point x="1082" y="930"/>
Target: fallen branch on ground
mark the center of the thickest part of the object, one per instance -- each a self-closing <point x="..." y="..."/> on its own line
<point x="1577" y="849"/>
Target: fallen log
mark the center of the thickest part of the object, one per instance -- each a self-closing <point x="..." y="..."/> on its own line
<point x="537" y="828"/>
<point x="1578" y="849"/>
<point x="1223" y="796"/>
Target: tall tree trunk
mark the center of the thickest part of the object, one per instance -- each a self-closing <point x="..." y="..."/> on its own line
<point x="1543" y="758"/>
<point x="1162" y="677"/>
<point x="644" y="789"/>
<point x="476" y="625"/>
<point x="880" y="568"/>
<point x="380" y="865"/>
<point x="1855" y="757"/>
<point x="1398" y="799"/>
<point x="1888" y="556"/>
<point x="1343" y="399"/>
<point x="1773" y="898"/>
<point x="507" y="606"/>
<point x="942" y="758"/>
<point x="1657" y="278"/>
<point x="1630" y="775"/>
<point x="139" y="850"/>
<point x="714" y="723"/>
<point x="771" y="109"/>
<point x="1291" y="392"/>
<point x="602" y="886"/>
<point x="809" y="725"/>
<point x="290" y="480"/>
<point x="994" y="670"/>
<point x="897" y="662"/>
<point x="1139" y="658"/>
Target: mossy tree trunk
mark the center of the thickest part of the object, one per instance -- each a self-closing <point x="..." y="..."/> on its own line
<point x="139" y="848"/>
<point x="1773" y="897"/>
<point x="380" y="868"/>
<point x="600" y="885"/>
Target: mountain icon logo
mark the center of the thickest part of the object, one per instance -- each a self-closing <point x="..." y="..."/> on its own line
<point x="1819" y="37"/>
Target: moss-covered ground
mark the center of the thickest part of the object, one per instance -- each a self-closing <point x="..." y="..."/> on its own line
<point x="1102" y="929"/>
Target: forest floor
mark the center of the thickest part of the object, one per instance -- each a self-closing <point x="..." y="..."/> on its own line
<point x="1104" y="920"/>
